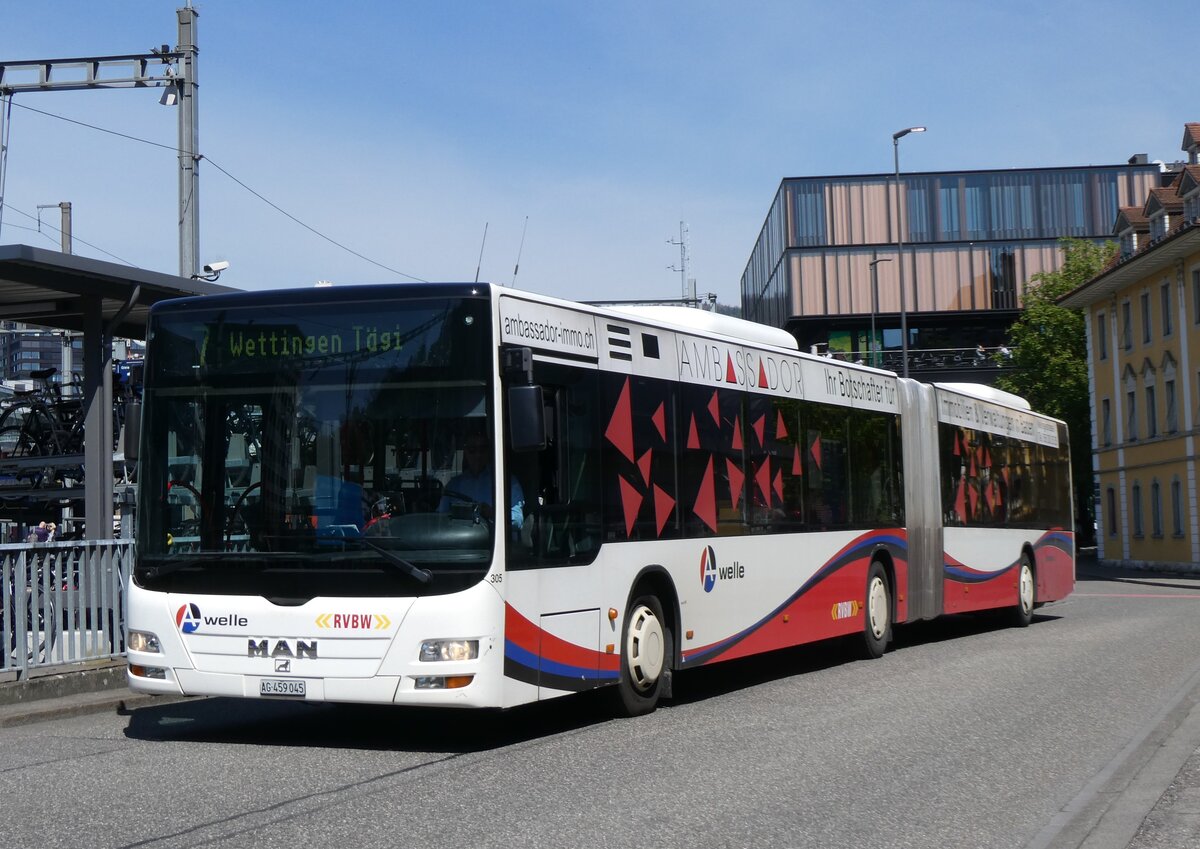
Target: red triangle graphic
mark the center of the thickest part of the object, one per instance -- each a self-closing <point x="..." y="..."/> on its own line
<point x="780" y="427"/>
<point x="620" y="426"/>
<point x="797" y="467"/>
<point x="762" y="375"/>
<point x="763" y="478"/>
<point x="660" y="421"/>
<point x="759" y="427"/>
<point x="737" y="434"/>
<point x="957" y="447"/>
<point x="815" y="450"/>
<point x="960" y="500"/>
<point x="730" y="374"/>
<point x="778" y="483"/>
<point x="714" y="409"/>
<point x="974" y="496"/>
<point x="631" y="502"/>
<point x="736" y="479"/>
<point x="663" y="505"/>
<point x="706" y="499"/>
<point x="693" y="437"/>
<point x="644" y="465"/>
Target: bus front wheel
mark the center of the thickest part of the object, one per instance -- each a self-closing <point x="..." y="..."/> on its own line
<point x="877" y="612"/>
<point x="1022" y="613"/>
<point x="645" y="656"/>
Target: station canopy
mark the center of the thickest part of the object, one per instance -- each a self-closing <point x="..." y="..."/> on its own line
<point x="63" y="291"/>
<point x="101" y="300"/>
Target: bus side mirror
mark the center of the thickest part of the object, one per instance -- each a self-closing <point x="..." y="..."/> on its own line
<point x="526" y="418"/>
<point x="132" y="430"/>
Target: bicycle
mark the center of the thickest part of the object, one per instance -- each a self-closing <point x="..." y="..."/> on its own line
<point x="48" y="421"/>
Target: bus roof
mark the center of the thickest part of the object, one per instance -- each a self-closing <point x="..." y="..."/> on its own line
<point x="987" y="393"/>
<point x="703" y="321"/>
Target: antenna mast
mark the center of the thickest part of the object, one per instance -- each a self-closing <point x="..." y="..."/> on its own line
<point x="481" y="247"/>
<point x="686" y="291"/>
<point x="517" y="265"/>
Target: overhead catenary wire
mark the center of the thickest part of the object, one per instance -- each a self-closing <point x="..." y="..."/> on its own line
<point x="74" y="236"/>
<point x="231" y="177"/>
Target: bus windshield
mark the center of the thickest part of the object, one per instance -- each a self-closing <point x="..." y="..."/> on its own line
<point x="298" y="449"/>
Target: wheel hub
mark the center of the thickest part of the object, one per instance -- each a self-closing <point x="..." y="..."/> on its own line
<point x="644" y="648"/>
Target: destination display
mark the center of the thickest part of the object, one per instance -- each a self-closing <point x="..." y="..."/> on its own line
<point x="983" y="415"/>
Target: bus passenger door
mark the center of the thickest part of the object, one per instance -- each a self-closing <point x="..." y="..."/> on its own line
<point x="561" y="483"/>
<point x="553" y="576"/>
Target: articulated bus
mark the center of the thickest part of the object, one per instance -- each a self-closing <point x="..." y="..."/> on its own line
<point x="465" y="495"/>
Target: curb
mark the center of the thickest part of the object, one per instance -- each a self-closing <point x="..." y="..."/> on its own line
<point x="63" y="681"/>
<point x="98" y="687"/>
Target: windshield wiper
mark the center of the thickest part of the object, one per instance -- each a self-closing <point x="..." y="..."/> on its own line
<point x="269" y="560"/>
<point x="166" y="565"/>
<point x="409" y="568"/>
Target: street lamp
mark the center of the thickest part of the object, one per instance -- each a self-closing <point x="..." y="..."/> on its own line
<point x="900" y="244"/>
<point x="875" y="305"/>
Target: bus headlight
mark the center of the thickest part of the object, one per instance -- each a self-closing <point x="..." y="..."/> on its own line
<point x="433" y="651"/>
<point x="144" y="641"/>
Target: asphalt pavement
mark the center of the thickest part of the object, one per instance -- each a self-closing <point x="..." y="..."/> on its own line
<point x="1147" y="797"/>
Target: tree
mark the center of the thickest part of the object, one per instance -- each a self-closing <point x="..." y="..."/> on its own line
<point x="1050" y="360"/>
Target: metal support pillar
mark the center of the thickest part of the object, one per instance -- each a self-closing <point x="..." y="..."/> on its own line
<point x="189" y="144"/>
<point x="97" y="422"/>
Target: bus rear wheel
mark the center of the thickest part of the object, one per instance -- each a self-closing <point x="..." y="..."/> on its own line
<point x="645" y="657"/>
<point x="877" y="612"/>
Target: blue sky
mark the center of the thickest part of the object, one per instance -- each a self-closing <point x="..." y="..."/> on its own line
<point x="402" y="129"/>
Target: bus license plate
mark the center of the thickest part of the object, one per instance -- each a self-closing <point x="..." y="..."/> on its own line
<point x="276" y="687"/>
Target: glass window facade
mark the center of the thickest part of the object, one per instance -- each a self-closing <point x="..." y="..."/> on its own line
<point x="971" y="239"/>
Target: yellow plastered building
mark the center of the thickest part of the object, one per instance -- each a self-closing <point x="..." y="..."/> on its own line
<point x="1143" y="324"/>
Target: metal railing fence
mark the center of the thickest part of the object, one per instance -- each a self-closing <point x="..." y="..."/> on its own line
<point x="62" y="602"/>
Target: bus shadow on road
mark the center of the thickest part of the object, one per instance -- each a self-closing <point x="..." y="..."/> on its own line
<point x="276" y="722"/>
<point x="711" y="681"/>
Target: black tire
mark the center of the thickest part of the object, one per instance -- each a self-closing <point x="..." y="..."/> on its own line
<point x="1022" y="613"/>
<point x="877" y="612"/>
<point x="647" y="652"/>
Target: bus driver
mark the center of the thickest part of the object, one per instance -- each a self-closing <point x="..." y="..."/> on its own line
<point x="475" y="484"/>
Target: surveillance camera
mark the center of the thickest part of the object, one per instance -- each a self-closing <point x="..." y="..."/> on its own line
<point x="216" y="267"/>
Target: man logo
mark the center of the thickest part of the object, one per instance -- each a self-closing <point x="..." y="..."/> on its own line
<point x="708" y="569"/>
<point x="188" y="618"/>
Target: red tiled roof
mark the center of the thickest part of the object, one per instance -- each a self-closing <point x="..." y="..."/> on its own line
<point x="1132" y="216"/>
<point x="1191" y="135"/>
<point x="1189" y="179"/>
<point x="1167" y="198"/>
